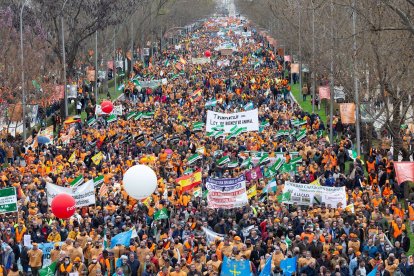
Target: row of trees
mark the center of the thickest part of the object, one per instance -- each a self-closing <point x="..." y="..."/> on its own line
<point x="383" y="58"/>
<point x="126" y="22"/>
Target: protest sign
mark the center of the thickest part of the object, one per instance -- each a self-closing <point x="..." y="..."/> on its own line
<point x="347" y="113"/>
<point x="116" y="111"/>
<point x="226" y="193"/>
<point x="83" y="194"/>
<point x="247" y="119"/>
<point x="294" y="68"/>
<point x="8" y="200"/>
<point x="305" y="194"/>
<point x="324" y="92"/>
<point x="202" y="60"/>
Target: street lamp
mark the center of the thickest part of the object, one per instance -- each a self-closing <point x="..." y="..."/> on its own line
<point x="64" y="60"/>
<point x="22" y="68"/>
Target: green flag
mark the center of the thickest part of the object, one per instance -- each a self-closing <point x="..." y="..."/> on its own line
<point x="301" y="135"/>
<point x="131" y="115"/>
<point x="265" y="158"/>
<point x="48" y="270"/>
<point x="224" y="160"/>
<point x="246" y="162"/>
<point x="98" y="180"/>
<point x="232" y="164"/>
<point x="296" y="160"/>
<point x="111" y="118"/>
<point x="198" y="126"/>
<point x="283" y="197"/>
<point x="105" y="240"/>
<point x="92" y="121"/>
<point x="138" y="115"/>
<point x="77" y="181"/>
<point x="194" y="158"/>
<point x="161" y="214"/>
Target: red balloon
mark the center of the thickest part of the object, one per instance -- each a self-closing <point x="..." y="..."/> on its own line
<point x="63" y="206"/>
<point x="107" y="107"/>
<point x="207" y="53"/>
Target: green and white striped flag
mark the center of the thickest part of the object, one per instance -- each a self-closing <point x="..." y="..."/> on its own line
<point x="265" y="158"/>
<point x="224" y="160"/>
<point x="218" y="128"/>
<point x="121" y="87"/>
<point x="269" y="173"/>
<point x="136" y="82"/>
<point x="301" y="135"/>
<point x="147" y="115"/>
<point x="198" y="126"/>
<point x="211" y="103"/>
<point x="138" y="115"/>
<point x="279" y="162"/>
<point x="219" y="133"/>
<point x="188" y="171"/>
<point x="236" y="132"/>
<point x="265" y="123"/>
<point x="256" y="65"/>
<point x="298" y="122"/>
<point x="246" y="162"/>
<point x="111" y="118"/>
<point x="282" y="133"/>
<point x="194" y="158"/>
<point x="167" y="63"/>
<point x="296" y="160"/>
<point x="92" y="121"/>
<point x="77" y="181"/>
<point x="211" y="133"/>
<point x="248" y="106"/>
<point x="233" y="164"/>
<point x="319" y="134"/>
<point x="105" y="240"/>
<point x="288" y="168"/>
<point x="98" y="180"/>
<point x="217" y="152"/>
<point x="131" y="115"/>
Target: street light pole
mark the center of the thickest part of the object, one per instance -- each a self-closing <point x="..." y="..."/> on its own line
<point x="313" y="59"/>
<point x="300" y="50"/>
<point x="64" y="62"/>
<point x="332" y="78"/>
<point x="22" y="68"/>
<point x="96" y="66"/>
<point x="356" y="88"/>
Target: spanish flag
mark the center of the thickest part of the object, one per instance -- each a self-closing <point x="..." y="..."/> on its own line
<point x="190" y="181"/>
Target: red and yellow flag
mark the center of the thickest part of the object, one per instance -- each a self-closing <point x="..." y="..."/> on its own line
<point x="188" y="182"/>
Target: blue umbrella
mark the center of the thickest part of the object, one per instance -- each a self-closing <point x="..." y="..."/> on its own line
<point x="43" y="140"/>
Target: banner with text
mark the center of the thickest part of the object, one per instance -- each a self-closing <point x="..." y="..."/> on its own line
<point x="202" y="60"/>
<point x="8" y="200"/>
<point x="248" y="119"/>
<point x="306" y="194"/>
<point x="116" y="111"/>
<point x="226" y="193"/>
<point x="83" y="194"/>
<point x="347" y="111"/>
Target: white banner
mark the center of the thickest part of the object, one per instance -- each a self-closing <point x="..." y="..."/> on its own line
<point x="202" y="60"/>
<point x="306" y="194"/>
<point x="248" y="119"/>
<point x="226" y="193"/>
<point x="247" y="34"/>
<point x="83" y="194"/>
<point x="117" y="110"/>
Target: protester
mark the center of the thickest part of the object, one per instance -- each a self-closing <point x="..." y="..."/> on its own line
<point x="160" y="127"/>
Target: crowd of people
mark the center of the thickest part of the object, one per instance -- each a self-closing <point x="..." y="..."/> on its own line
<point x="372" y="234"/>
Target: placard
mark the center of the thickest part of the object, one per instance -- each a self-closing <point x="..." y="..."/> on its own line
<point x="248" y="119"/>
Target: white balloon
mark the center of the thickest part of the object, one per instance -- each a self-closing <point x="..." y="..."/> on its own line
<point x="140" y="181"/>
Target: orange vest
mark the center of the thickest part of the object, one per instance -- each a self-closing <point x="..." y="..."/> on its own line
<point x="397" y="230"/>
<point x="411" y="213"/>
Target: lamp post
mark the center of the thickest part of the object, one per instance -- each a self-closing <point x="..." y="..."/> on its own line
<point x="22" y="68"/>
<point x="356" y="88"/>
<point x="64" y="61"/>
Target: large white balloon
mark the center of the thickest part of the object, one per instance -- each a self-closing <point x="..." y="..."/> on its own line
<point x="140" y="181"/>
